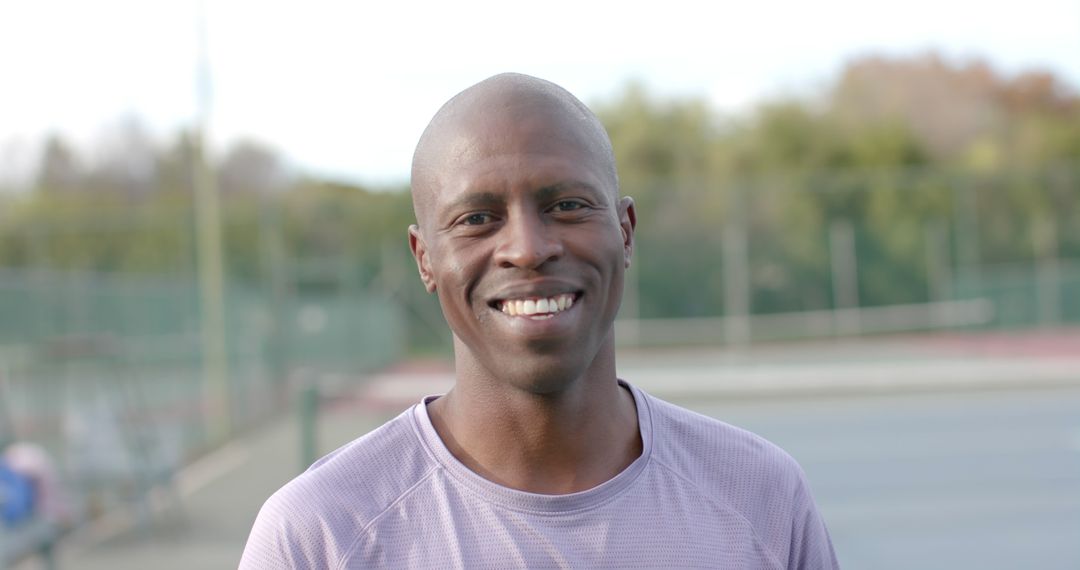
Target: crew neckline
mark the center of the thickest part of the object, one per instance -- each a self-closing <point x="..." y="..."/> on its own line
<point x="518" y="500"/>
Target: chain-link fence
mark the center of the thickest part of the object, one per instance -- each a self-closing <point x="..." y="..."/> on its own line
<point x="835" y="254"/>
<point x="106" y="372"/>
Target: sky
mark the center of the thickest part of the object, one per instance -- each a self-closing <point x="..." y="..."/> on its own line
<point x="343" y="89"/>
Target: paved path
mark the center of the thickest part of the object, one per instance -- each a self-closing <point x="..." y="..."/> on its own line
<point x="940" y="362"/>
<point x="220" y="494"/>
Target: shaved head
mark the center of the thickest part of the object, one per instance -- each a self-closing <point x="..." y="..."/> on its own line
<point x="510" y="103"/>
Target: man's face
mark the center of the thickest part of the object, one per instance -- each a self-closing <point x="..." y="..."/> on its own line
<point x="525" y="241"/>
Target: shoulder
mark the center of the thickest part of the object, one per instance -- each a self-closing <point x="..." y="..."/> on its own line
<point x="739" y="470"/>
<point x="313" y="520"/>
<point x="697" y="445"/>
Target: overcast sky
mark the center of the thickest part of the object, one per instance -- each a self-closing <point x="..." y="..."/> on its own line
<point x="344" y="89"/>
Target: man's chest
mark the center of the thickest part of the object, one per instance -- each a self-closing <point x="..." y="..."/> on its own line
<point x="654" y="524"/>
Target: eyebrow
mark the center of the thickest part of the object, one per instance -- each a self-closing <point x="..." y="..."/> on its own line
<point x="491" y="199"/>
<point x="474" y="200"/>
<point x="548" y="192"/>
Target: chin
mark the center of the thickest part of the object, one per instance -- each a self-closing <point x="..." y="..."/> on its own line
<point x="545" y="375"/>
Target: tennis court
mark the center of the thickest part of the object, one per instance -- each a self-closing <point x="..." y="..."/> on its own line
<point x="954" y="450"/>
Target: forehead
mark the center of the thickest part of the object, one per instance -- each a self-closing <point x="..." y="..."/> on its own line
<point x="517" y="148"/>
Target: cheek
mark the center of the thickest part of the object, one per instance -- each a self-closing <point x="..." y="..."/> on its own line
<point x="456" y="276"/>
<point x="607" y="246"/>
<point x="457" y="268"/>
<point x="448" y="266"/>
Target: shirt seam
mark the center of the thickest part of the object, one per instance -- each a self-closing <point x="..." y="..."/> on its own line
<point x="764" y="546"/>
<point x="364" y="530"/>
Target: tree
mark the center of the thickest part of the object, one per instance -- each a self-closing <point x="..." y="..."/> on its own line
<point x="59" y="171"/>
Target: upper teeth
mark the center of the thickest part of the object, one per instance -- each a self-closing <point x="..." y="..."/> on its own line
<point x="528" y="307"/>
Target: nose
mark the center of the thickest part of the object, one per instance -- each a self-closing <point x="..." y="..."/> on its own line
<point x="527" y="242"/>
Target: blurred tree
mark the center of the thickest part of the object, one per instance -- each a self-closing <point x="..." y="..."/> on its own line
<point x="174" y="164"/>
<point x="59" y="171"/>
<point x="126" y="162"/>
<point x="893" y="146"/>
<point x="251" y="168"/>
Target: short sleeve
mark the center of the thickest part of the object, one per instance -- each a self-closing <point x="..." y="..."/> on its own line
<point x="811" y="546"/>
<point x="287" y="535"/>
<point x="267" y="546"/>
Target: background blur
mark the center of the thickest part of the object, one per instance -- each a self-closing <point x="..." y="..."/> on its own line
<point x="859" y="235"/>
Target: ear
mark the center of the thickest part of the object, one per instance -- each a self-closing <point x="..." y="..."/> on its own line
<point x="627" y="222"/>
<point x="423" y="263"/>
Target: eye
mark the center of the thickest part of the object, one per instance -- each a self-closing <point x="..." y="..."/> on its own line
<point x="567" y="205"/>
<point x="477" y="219"/>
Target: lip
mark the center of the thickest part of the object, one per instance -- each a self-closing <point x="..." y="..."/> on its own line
<point x="557" y="327"/>
<point x="534" y="290"/>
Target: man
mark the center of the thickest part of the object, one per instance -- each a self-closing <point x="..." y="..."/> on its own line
<point x="539" y="457"/>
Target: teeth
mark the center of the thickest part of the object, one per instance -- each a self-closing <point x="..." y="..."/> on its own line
<point x="538" y="308"/>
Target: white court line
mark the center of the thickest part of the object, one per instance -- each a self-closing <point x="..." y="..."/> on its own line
<point x="188" y="481"/>
<point x="211" y="467"/>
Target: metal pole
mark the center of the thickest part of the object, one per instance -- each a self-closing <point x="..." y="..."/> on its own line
<point x="735" y="262"/>
<point x="209" y="258"/>
<point x="736" y="266"/>
<point x="272" y="249"/>
<point x="966" y="206"/>
<point x="1047" y="271"/>
<point x="845" y="276"/>
<point x="308" y="417"/>
<point x="939" y="276"/>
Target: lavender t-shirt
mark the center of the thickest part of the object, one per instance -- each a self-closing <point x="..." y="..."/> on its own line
<point x="703" y="494"/>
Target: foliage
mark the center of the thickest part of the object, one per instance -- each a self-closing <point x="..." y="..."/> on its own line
<point x="894" y="146"/>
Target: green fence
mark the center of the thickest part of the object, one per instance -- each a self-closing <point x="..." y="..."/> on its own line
<point x="852" y="252"/>
<point x="106" y="371"/>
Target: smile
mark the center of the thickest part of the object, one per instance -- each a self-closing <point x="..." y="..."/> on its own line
<point x="536" y="308"/>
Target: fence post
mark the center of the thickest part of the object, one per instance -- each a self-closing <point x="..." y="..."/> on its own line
<point x="845" y="277"/>
<point x="966" y="208"/>
<point x="736" y="266"/>
<point x="210" y="260"/>
<point x="275" y="277"/>
<point x="308" y="404"/>
<point x="736" y="284"/>
<point x="939" y="276"/>
<point x="1047" y="270"/>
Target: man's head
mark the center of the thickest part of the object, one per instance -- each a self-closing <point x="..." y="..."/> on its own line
<point x="515" y="95"/>
<point x="521" y="231"/>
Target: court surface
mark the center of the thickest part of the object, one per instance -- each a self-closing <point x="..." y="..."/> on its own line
<point x="911" y="470"/>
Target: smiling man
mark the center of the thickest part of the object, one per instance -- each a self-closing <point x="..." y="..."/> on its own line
<point x="539" y="457"/>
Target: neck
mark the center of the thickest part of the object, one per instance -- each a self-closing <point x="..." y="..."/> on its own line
<point x="557" y="442"/>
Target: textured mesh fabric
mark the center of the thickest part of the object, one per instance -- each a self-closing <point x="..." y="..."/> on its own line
<point x="703" y="494"/>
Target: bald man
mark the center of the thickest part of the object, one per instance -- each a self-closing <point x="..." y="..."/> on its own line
<point x="539" y="457"/>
